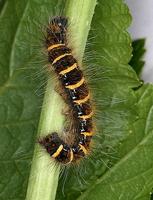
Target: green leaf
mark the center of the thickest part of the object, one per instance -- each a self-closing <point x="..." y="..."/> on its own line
<point x="132" y="176"/>
<point x="121" y="165"/>
<point x="136" y="61"/>
<point x="121" y="126"/>
<point x="20" y="77"/>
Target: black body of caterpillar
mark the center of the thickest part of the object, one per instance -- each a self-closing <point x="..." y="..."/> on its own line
<point x="76" y="93"/>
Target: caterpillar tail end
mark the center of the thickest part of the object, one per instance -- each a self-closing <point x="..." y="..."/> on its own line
<point x="60" y="151"/>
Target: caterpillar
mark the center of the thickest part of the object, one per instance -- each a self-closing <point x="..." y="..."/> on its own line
<point x="76" y="95"/>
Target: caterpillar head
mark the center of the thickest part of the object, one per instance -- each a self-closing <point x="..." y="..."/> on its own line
<point x="56" y="31"/>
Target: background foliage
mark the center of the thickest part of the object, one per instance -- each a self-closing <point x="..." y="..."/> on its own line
<point x="138" y="51"/>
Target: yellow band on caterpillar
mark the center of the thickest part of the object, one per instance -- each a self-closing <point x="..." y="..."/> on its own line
<point x="68" y="69"/>
<point x="81" y="101"/>
<point x="74" y="86"/>
<point x="71" y="156"/>
<point x="58" y="151"/>
<point x="83" y="149"/>
<point x="87" y="133"/>
<point x="86" y="116"/>
<point x="60" y="57"/>
<point x="54" y="46"/>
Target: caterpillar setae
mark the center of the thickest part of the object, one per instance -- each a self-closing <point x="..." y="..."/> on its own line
<point x="76" y="95"/>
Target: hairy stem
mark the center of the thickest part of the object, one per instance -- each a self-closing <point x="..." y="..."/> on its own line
<point x="44" y="174"/>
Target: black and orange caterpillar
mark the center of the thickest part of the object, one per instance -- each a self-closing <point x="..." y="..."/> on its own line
<point x="77" y="96"/>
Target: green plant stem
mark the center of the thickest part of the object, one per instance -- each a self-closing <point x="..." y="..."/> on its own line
<point x="44" y="174"/>
<point x="80" y="13"/>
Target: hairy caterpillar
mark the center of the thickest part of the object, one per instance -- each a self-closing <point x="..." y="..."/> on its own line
<point x="75" y="93"/>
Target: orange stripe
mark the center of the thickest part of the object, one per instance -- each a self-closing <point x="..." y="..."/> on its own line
<point x="58" y="151"/>
<point x="74" y="86"/>
<point x="68" y="69"/>
<point x="87" y="133"/>
<point x="86" y="116"/>
<point x="60" y="57"/>
<point x="83" y="149"/>
<point x="54" y="46"/>
<point x="81" y="101"/>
